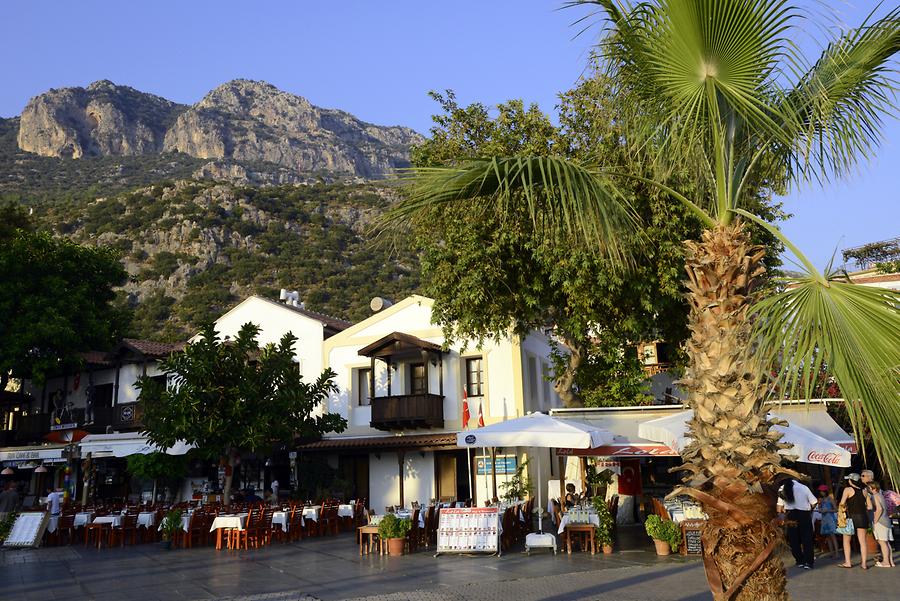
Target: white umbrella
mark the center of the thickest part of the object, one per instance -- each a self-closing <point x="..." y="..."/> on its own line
<point x="536" y="430"/>
<point x="809" y="447"/>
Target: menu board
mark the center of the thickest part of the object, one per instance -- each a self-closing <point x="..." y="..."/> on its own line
<point x="469" y="530"/>
<point x="27" y="531"/>
<point x="692" y="531"/>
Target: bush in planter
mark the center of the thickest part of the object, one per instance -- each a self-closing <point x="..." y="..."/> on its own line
<point x="663" y="530"/>
<point x="391" y="527"/>
<point x="170" y="525"/>
<point x="604" y="530"/>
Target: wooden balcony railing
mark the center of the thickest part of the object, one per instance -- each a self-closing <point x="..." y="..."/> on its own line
<point x="400" y="412"/>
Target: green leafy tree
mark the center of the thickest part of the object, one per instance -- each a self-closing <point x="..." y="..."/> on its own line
<point x="227" y="396"/>
<point x="489" y="271"/>
<point x="56" y="298"/>
<point x="719" y="90"/>
<point x="156" y="466"/>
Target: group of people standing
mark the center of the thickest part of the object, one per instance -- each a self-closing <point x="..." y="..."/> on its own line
<point x="862" y="506"/>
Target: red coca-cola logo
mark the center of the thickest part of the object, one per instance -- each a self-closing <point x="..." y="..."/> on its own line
<point x="829" y="458"/>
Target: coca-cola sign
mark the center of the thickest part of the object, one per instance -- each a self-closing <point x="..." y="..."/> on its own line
<point x="825" y="458"/>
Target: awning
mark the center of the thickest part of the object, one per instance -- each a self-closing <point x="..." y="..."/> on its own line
<point x="623" y="422"/>
<point x="35" y="453"/>
<point x="125" y="444"/>
<point x="376" y="443"/>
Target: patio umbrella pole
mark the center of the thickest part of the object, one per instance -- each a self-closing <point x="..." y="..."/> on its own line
<point x="540" y="501"/>
<point x="471" y="481"/>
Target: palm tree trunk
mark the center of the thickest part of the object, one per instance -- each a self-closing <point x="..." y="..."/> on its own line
<point x="732" y="461"/>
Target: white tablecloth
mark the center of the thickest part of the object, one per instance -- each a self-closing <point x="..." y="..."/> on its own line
<point x="592" y="519"/>
<point x="83" y="518"/>
<point x="229" y="521"/>
<point x="312" y="513"/>
<point x="147" y="519"/>
<point x="52" y="524"/>
<point x="345" y="511"/>
<point x="281" y="517"/>
<point x="115" y="520"/>
<point x="406" y="515"/>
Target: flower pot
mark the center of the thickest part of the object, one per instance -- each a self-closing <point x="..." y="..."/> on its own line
<point x="607" y="549"/>
<point x="662" y="547"/>
<point x="166" y="545"/>
<point x="395" y="546"/>
<point x="871" y="543"/>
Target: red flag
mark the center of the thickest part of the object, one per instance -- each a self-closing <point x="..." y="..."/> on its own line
<point x="465" y="410"/>
<point x="480" y="417"/>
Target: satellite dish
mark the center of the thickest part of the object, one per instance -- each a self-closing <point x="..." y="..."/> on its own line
<point x="379" y="303"/>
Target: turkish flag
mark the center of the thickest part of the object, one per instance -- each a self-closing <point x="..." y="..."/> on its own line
<point x="466" y="415"/>
<point x="630" y="478"/>
<point x="480" y="417"/>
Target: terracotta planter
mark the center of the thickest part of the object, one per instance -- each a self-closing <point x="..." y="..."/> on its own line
<point x="662" y="547"/>
<point x="607" y="549"/>
<point x="395" y="546"/>
<point x="871" y="543"/>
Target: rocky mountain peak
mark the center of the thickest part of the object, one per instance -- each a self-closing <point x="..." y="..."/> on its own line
<point x="240" y="122"/>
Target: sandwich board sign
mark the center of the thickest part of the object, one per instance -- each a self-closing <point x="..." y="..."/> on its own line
<point x="28" y="530"/>
<point x="469" y="530"/>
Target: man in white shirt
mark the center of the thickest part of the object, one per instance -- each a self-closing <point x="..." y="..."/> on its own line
<point x="797" y="502"/>
<point x="54" y="502"/>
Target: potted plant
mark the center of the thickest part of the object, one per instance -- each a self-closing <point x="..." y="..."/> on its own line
<point x="517" y="487"/>
<point x="666" y="534"/>
<point x="604" y="529"/>
<point x="169" y="526"/>
<point x="394" y="531"/>
<point x="871" y="543"/>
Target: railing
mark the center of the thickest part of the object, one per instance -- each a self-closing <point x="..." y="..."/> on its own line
<point x="400" y="412"/>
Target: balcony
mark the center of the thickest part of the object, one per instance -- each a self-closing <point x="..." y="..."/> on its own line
<point x="407" y="411"/>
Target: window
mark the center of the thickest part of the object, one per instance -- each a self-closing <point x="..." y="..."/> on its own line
<point x="533" y="380"/>
<point x="103" y="395"/>
<point x="474" y="377"/>
<point x="545" y="381"/>
<point x="417" y="379"/>
<point x="363" y="387"/>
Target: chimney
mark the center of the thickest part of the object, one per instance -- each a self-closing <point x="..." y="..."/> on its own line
<point x="379" y="303"/>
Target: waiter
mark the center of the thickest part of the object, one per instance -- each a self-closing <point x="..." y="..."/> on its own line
<point x="797" y="501"/>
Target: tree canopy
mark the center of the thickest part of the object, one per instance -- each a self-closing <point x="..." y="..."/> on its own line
<point x="56" y="298"/>
<point x="491" y="271"/>
<point x="225" y="396"/>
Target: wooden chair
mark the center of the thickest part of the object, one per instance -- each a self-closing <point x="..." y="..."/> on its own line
<point x="198" y="529"/>
<point x="100" y="532"/>
<point x="65" y="529"/>
<point x="128" y="527"/>
<point x="295" y="529"/>
<point x="235" y="539"/>
<point x="328" y="521"/>
<point x="261" y="534"/>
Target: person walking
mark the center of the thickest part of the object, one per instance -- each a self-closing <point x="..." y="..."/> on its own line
<point x="853" y="518"/>
<point x="828" y="525"/>
<point x="797" y="502"/>
<point x="881" y="526"/>
<point x="9" y="500"/>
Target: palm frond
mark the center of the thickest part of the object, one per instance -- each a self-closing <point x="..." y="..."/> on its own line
<point x="834" y="114"/>
<point x="852" y="330"/>
<point x="558" y="195"/>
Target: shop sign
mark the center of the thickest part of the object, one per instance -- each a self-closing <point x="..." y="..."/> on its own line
<point x="825" y="458"/>
<point x="57" y="427"/>
<point x="31" y="454"/>
<point x="506" y="464"/>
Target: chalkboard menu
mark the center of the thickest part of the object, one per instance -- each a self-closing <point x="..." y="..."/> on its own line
<point x="691" y="532"/>
<point x="27" y="531"/>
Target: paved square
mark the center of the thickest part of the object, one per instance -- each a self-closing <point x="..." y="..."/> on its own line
<point x="330" y="569"/>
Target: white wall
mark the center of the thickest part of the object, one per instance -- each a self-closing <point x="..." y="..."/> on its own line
<point x="384" y="479"/>
<point x="275" y="320"/>
<point x="128" y="375"/>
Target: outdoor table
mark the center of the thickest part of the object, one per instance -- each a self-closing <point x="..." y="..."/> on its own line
<point x="345" y="511"/>
<point x="283" y="518"/>
<point x="312" y="513"/>
<point x="367" y="537"/>
<point x="406" y="515"/>
<point x="578" y="517"/>
<point x="229" y="522"/>
<point x="147" y="519"/>
<point x="52" y="524"/>
<point x="114" y="520"/>
<point x="83" y="518"/>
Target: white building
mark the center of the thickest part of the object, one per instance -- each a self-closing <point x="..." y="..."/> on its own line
<point x="401" y="392"/>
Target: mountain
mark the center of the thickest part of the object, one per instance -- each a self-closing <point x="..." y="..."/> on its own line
<point x="252" y="131"/>
<point x="194" y="249"/>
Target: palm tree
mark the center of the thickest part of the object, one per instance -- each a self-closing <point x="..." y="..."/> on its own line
<point x="719" y="87"/>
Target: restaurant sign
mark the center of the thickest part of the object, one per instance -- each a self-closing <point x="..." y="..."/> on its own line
<point x="31" y="454"/>
<point x="506" y="464"/>
<point x="468" y="530"/>
<point x="625" y="450"/>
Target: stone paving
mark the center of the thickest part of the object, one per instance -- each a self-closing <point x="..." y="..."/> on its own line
<point x="330" y="569"/>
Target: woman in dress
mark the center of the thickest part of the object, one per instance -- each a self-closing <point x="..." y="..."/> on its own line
<point x="881" y="527"/>
<point x="828" y="525"/>
<point x="856" y="505"/>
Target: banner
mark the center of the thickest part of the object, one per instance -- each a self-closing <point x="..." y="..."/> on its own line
<point x="469" y="530"/>
<point x="506" y="464"/>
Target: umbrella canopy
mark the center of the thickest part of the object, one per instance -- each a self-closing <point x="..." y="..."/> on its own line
<point x="125" y="444"/>
<point x="809" y="447"/>
<point x="536" y="430"/>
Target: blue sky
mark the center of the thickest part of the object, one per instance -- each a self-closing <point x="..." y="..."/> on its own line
<point x="378" y="60"/>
